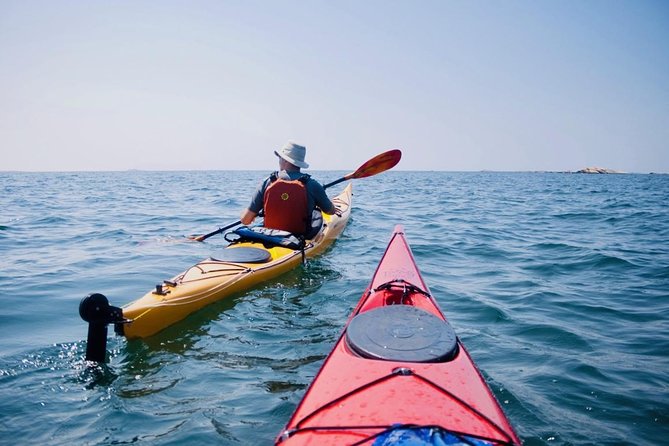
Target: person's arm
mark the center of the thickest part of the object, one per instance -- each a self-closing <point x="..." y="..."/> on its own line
<point x="321" y="199"/>
<point x="248" y="216"/>
<point x="331" y="210"/>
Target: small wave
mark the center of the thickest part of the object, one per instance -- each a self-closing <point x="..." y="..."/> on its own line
<point x="594" y="311"/>
<point x="167" y="240"/>
<point x="51" y="220"/>
<point x="227" y="202"/>
<point x="147" y="386"/>
<point x="106" y="235"/>
<point x="283" y="386"/>
<point x="520" y="285"/>
<point x="580" y="264"/>
<point x="615" y="204"/>
<point x="660" y="272"/>
<point x="553" y="246"/>
<point x="492" y="314"/>
<point x="551" y="337"/>
<point x="578" y="216"/>
<point x="486" y="251"/>
<point x="608" y="261"/>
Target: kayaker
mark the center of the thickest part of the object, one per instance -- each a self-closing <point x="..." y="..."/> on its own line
<point x="288" y="197"/>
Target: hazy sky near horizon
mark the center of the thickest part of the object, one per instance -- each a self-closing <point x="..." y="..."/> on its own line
<point x="457" y="85"/>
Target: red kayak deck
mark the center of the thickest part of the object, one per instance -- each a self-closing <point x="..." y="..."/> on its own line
<point x="398" y="365"/>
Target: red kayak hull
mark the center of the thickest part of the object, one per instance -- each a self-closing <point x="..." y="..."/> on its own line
<point x="355" y="399"/>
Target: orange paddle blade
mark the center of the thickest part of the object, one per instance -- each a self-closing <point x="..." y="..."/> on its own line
<point x="380" y="163"/>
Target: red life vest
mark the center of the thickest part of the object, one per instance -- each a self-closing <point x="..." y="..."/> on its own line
<point x="286" y="204"/>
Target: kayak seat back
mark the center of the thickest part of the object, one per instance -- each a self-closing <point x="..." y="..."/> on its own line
<point x="401" y="333"/>
<point x="269" y="237"/>
<point x="243" y="254"/>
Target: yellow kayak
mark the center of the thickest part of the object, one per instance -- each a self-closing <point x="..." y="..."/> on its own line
<point x="246" y="262"/>
<point x="214" y="279"/>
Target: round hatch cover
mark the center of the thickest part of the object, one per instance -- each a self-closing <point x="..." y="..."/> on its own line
<point x="401" y="333"/>
<point x="243" y="254"/>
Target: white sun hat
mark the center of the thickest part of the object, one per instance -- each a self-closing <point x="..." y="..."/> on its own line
<point x="294" y="154"/>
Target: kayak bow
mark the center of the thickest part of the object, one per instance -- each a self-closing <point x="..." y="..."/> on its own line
<point x="398" y="373"/>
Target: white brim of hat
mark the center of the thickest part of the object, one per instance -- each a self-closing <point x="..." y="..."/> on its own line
<point x="301" y="164"/>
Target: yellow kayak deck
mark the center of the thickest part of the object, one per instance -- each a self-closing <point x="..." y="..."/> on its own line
<point x="211" y="280"/>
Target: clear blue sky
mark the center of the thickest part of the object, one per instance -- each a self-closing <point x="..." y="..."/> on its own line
<point x="458" y="85"/>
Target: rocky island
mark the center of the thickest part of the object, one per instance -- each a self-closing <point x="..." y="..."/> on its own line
<point x="597" y="170"/>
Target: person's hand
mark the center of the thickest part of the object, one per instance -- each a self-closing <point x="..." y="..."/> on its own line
<point x="337" y="203"/>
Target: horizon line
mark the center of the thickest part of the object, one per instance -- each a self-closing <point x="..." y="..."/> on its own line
<point x="340" y="170"/>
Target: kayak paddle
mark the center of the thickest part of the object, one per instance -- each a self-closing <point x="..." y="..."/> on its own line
<point x="380" y="163"/>
<point x="201" y="238"/>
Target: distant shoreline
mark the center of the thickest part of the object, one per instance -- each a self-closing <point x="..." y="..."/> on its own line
<point x="585" y="171"/>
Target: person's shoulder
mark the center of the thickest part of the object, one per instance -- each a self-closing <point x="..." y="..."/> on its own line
<point x="315" y="185"/>
<point x="266" y="181"/>
<point x="311" y="180"/>
<point x="305" y="178"/>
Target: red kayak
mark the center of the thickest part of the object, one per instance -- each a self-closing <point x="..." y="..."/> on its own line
<point x="398" y="373"/>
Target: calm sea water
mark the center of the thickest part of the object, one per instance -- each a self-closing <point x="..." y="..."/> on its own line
<point x="557" y="283"/>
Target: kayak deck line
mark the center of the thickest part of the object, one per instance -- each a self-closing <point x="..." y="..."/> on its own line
<point x="398" y="370"/>
<point x="207" y="281"/>
<point x="407" y="286"/>
<point x="384" y="430"/>
<point x="187" y="299"/>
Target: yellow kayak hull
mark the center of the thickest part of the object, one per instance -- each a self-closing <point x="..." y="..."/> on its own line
<point x="212" y="280"/>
